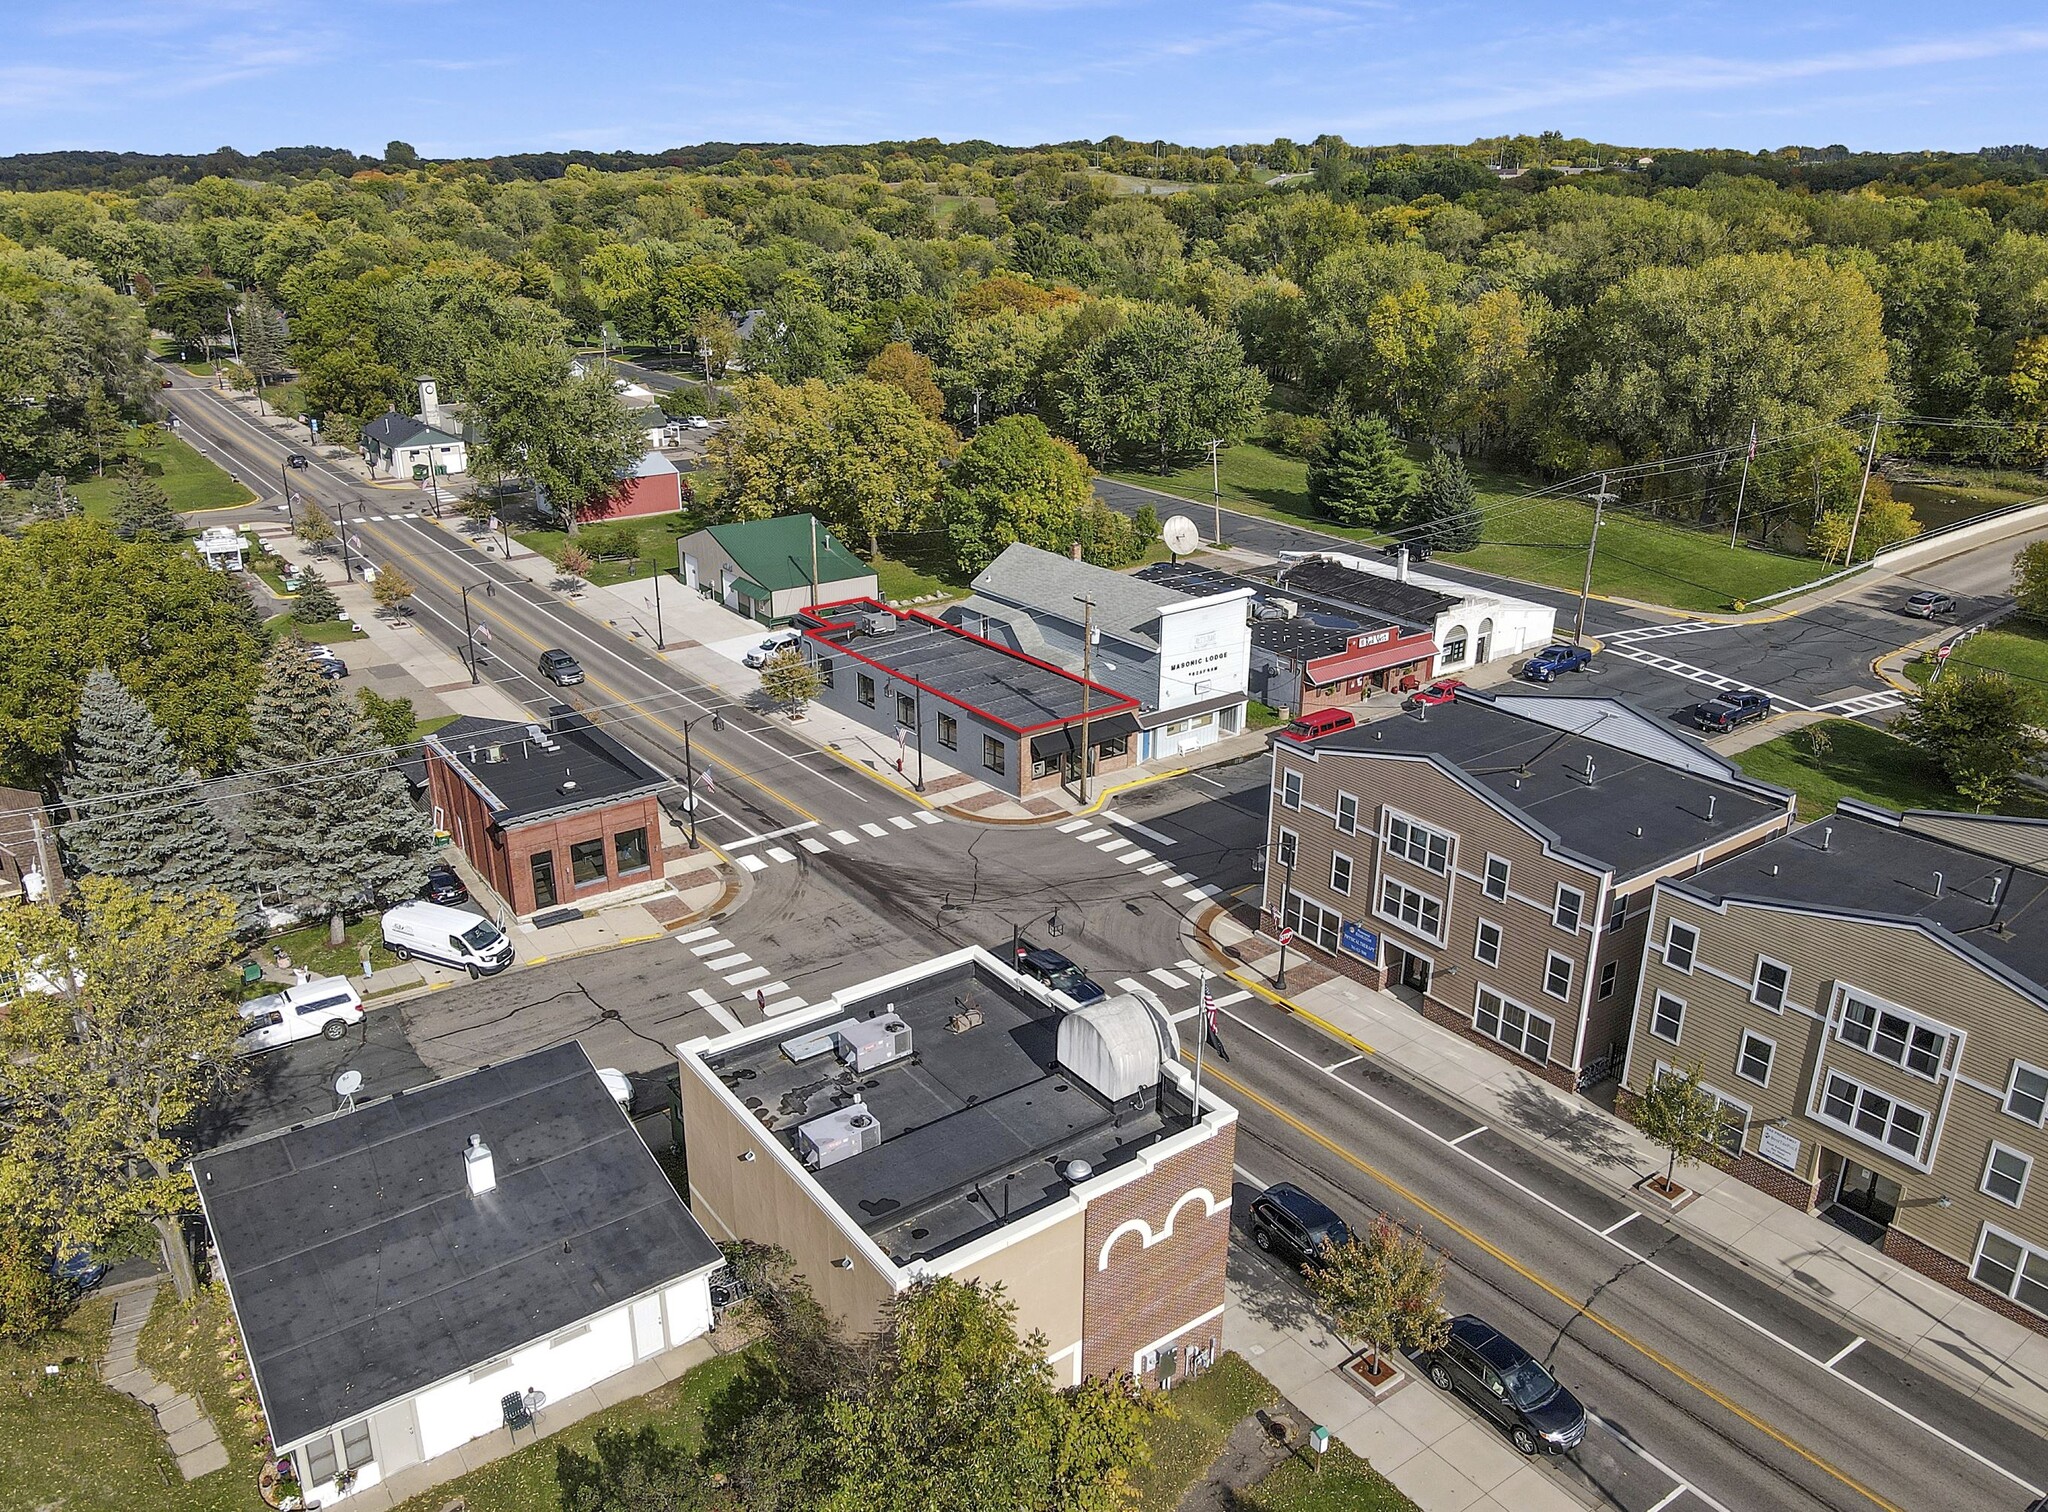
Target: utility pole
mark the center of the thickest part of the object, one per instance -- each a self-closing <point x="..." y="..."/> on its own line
<point x="917" y="697"/>
<point x="1087" y="684"/>
<point x="690" y="771"/>
<point x="469" y="634"/>
<point x="1743" y="487"/>
<point x="1856" y="524"/>
<point x="1216" y="485"/>
<point x="1201" y="1039"/>
<point x="659" y="572"/>
<point x="1600" y="501"/>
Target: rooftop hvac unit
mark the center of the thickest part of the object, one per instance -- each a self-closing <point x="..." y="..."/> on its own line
<point x="1288" y="607"/>
<point x="878" y="624"/>
<point x="839" y="1135"/>
<point x="877" y="1042"/>
<point x="815" y="1042"/>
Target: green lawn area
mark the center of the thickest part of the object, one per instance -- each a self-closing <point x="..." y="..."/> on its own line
<point x="307" y="946"/>
<point x="427" y="726"/>
<point x="653" y="543"/>
<point x="326" y="632"/>
<point x="1861" y="762"/>
<point x="916" y="574"/>
<point x="1258" y="716"/>
<point x="2018" y="648"/>
<point x="524" y="1481"/>
<point x="1538" y="541"/>
<point x="1343" y="1483"/>
<point x="191" y="480"/>
<point x="194" y="1348"/>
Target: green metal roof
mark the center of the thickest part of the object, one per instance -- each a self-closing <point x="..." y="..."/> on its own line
<point x="777" y="552"/>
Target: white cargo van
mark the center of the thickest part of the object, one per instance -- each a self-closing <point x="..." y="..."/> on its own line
<point x="448" y="936"/>
<point x="326" y="1006"/>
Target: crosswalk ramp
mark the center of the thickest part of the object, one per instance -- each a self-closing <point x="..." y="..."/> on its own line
<point x="756" y="853"/>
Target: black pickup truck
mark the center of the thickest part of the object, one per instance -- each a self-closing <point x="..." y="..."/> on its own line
<point x="1736" y="707"/>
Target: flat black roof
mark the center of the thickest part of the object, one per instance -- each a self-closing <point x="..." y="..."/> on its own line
<point x="536" y="760"/>
<point x="1297" y="637"/>
<point x="951" y="663"/>
<point x="1538" y="771"/>
<point x="1850" y="864"/>
<point x="974" y="1131"/>
<point x="1364" y="593"/>
<point x="362" y="1270"/>
<point x="1304" y="640"/>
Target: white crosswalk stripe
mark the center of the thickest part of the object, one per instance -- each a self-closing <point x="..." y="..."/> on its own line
<point x="874" y="829"/>
<point x="751" y="974"/>
<point x="926" y="816"/>
<point x="715" y="947"/>
<point x="701" y="932"/>
<point x="1117" y="844"/>
<point x="1162" y="975"/>
<point x="737" y="958"/>
<point x="778" y="854"/>
<point x="845" y="837"/>
<point x="787" y="1005"/>
<point x="1153" y="870"/>
<point x="900" y="822"/>
<point x="1074" y="824"/>
<point x="1094" y="835"/>
<point x="814" y="845"/>
<point x="752" y="863"/>
<point x="1132" y="856"/>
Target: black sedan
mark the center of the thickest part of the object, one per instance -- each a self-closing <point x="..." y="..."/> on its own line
<point x="1061" y="974"/>
<point x="443" y="886"/>
<point x="1288" y="1222"/>
<point x="1508" y="1384"/>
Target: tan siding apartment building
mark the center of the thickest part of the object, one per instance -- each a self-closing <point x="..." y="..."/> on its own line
<point x="1492" y="860"/>
<point x="1868" y="999"/>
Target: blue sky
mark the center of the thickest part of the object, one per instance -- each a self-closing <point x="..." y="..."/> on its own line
<point x="457" y="77"/>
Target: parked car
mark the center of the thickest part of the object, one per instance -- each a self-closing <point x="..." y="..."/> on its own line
<point x="444" y="887"/>
<point x="1419" y="550"/>
<point x="1442" y="691"/>
<point x="1546" y="664"/>
<point x="1508" y="1384"/>
<point x="1927" y="604"/>
<point x="326" y="1006"/>
<point x="1320" y="722"/>
<point x="321" y="651"/>
<point x="1288" y="1222"/>
<point x="78" y="1269"/>
<point x="330" y="666"/>
<point x="1062" y="975"/>
<point x="1736" y="707"/>
<point x="446" y="936"/>
<point x="770" y="648"/>
<point x="696" y="422"/>
<point x="560" y="668"/>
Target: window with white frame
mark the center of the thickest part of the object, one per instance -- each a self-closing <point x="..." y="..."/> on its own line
<point x="1486" y="942"/>
<point x="2012" y="1268"/>
<point x="1617" y="916"/>
<point x="1496" y="884"/>
<point x="2005" y="1174"/>
<point x="1667" y="1017"/>
<point x="1873" y="1115"/>
<point x="1753" y="1060"/>
<point x="2026" y="1097"/>
<point x="1290" y="790"/>
<point x="1571" y="908"/>
<point x="1414" y="910"/>
<point x="1314" y="923"/>
<point x="1681" y="944"/>
<point x="1522" y="1030"/>
<point x="1893" y="1034"/>
<point x="1340" y="873"/>
<point x="1608" y="974"/>
<point x="1347" y="814"/>
<point x="1557" y="975"/>
<point x="1289" y="847"/>
<point x="1733" y="1127"/>
<point x="1419" y="845"/>
<point x="1768" y="987"/>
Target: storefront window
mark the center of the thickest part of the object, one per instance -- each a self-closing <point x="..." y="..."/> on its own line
<point x="586" y="861"/>
<point x="630" y="850"/>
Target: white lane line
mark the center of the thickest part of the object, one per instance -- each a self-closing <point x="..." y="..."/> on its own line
<point x="1468" y="1134"/>
<point x="1153" y="870"/>
<point x="926" y="816"/>
<point x="751" y="974"/>
<point x="775" y="834"/>
<point x="1619" y="1224"/>
<point x="752" y="863"/>
<point x="701" y="932"/>
<point x="777" y="854"/>
<point x="814" y="845"/>
<point x="874" y="829"/>
<point x="1210" y="780"/>
<point x="726" y="1021"/>
<point x="715" y="947"/>
<point x="1093" y="835"/>
<point x="1340" y="1065"/>
<point x="737" y="958"/>
<point x="1107" y="846"/>
<point x="846" y="837"/>
<point x="1650" y="1459"/>
<point x="1845" y="1351"/>
<point x="1646" y="1263"/>
<point x="787" y="1005"/>
<point x="1131" y="856"/>
<point x="1669" y="1497"/>
<point x="1228" y="998"/>
<point x="1073" y="824"/>
<point x="902" y="823"/>
<point x="702" y="998"/>
<point x="1146" y="830"/>
<point x="1162" y="975"/>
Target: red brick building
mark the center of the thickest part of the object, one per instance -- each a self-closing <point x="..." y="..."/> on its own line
<point x="550" y="815"/>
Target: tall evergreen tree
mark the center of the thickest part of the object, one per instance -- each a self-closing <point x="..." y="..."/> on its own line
<point x="260" y="333"/>
<point x="136" y="813"/>
<point x="331" y="823"/>
<point x="50" y="498"/>
<point x="1446" y="511"/>
<point x="1358" y="475"/>
<point x="316" y="604"/>
<point x="141" y="507"/>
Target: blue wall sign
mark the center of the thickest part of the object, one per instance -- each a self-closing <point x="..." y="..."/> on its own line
<point x="1363" y="943"/>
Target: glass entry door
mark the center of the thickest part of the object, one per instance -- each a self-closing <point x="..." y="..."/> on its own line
<point x="1864" y="1191"/>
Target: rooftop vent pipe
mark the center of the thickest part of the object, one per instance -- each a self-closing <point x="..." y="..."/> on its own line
<point x="1937" y="884"/>
<point x="1712" y="799"/>
<point x="1827" y="838"/>
<point x="478" y="1168"/>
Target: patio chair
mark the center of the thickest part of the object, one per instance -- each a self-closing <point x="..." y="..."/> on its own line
<point x="513" y="1405"/>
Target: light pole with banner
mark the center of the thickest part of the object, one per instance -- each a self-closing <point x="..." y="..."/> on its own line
<point x="690" y="770"/>
<point x="471" y="634"/>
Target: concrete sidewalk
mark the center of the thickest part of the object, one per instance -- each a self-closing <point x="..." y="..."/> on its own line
<point x="1981" y="1353"/>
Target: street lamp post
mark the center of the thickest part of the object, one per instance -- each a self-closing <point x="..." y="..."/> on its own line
<point x="917" y="696"/>
<point x="659" y="570"/>
<point x="1286" y="887"/>
<point x="690" y="771"/>
<point x="468" y="633"/>
<point x="285" y="481"/>
<point x="1052" y="927"/>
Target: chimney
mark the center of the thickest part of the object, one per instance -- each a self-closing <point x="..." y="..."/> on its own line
<point x="1401" y="565"/>
<point x="477" y="1166"/>
<point x="430" y="402"/>
<point x="1074" y="551"/>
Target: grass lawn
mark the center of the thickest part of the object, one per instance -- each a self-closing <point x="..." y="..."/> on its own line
<point x="427" y="727"/>
<point x="654" y="540"/>
<point x="1861" y="762"/>
<point x="191" y="480"/>
<point x="1542" y="541"/>
<point x="524" y="1481"/>
<point x="1258" y="716"/>
<point x="1187" y="1437"/>
<point x="2018" y="648"/>
<point x="326" y="632"/>
<point x="1344" y="1483"/>
<point x="193" y="1347"/>
<point x="307" y="946"/>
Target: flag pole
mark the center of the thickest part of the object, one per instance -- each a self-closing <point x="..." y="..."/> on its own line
<point x="1201" y="1038"/>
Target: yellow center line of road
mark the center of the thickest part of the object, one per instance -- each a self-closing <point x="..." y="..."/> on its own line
<point x="1620" y="1334"/>
<point x="611" y="694"/>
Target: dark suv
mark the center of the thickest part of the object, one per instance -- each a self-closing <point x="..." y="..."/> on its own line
<point x="1509" y="1385"/>
<point x="1287" y="1222"/>
<point x="1062" y="975"/>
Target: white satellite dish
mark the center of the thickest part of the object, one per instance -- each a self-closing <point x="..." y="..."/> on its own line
<point x="346" y="1086"/>
<point x="1181" y="535"/>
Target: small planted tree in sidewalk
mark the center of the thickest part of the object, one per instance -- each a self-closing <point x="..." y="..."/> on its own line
<point x="1682" y="1116"/>
<point x="1384" y="1286"/>
<point x="313" y="527"/>
<point x="791" y="680"/>
<point x="393" y="590"/>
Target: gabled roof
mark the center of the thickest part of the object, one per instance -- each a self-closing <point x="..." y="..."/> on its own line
<point x="392" y="430"/>
<point x="362" y="1269"/>
<point x="776" y="553"/>
<point x="1047" y="584"/>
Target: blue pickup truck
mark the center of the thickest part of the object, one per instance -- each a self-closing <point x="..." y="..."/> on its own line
<point x="1546" y="664"/>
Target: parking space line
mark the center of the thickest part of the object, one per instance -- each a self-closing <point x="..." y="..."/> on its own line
<point x="1340" y="1065"/>
<point x="1845" y="1351"/>
<point x="1468" y="1134"/>
<point x="1623" y="1222"/>
<point x="1683" y="1485"/>
<point x="1669" y="1497"/>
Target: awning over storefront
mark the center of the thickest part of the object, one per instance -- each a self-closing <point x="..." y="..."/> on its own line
<point x="1066" y="741"/>
<point x="1350" y="664"/>
<point x="1152" y="719"/>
